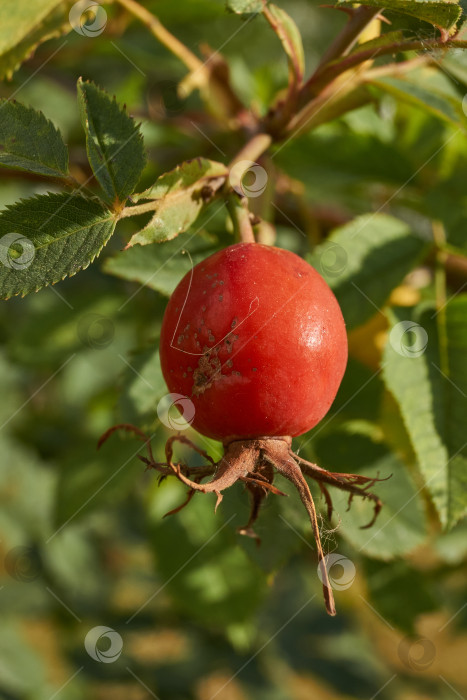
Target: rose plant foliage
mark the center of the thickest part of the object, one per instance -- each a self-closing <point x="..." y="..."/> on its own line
<point x="300" y="249"/>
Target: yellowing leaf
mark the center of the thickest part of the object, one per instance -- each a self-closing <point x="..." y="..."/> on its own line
<point x="180" y="199"/>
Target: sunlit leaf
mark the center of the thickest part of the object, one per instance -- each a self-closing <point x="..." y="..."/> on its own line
<point x="24" y="24"/>
<point x="181" y="195"/>
<point x="160" y="266"/>
<point x="113" y="141"/>
<point x="289" y="35"/>
<point x="425" y="370"/>
<point x="364" y="260"/>
<point x="49" y="237"/>
<point x="31" y="142"/>
<point x="440" y="13"/>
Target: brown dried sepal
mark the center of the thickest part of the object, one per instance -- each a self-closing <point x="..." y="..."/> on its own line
<point x="255" y="462"/>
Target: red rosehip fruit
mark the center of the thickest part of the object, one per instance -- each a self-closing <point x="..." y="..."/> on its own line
<point x="255" y="337"/>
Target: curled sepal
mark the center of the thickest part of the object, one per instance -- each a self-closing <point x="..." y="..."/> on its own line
<point x="355" y="484"/>
<point x="237" y="461"/>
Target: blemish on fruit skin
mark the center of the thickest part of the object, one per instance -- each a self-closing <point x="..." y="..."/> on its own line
<point x="236" y="373"/>
<point x="229" y="341"/>
<point x="221" y="297"/>
<point x="187" y="327"/>
<point x="190" y="369"/>
<point x="234" y="323"/>
<point x="255" y="369"/>
<point x="184" y="375"/>
<point x="203" y="308"/>
<point x="229" y="363"/>
<point x="221" y="281"/>
<point x="208" y="371"/>
<point x="180" y="339"/>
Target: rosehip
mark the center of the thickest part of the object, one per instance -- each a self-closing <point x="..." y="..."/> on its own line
<point x="255" y="337"/>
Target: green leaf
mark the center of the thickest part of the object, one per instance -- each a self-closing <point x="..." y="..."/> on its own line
<point x="388" y="585"/>
<point x="160" y="267"/>
<point x="382" y="40"/>
<point x="113" y="141"/>
<point x="441" y="105"/>
<point x="456" y="404"/>
<point x="279" y="521"/>
<point x="243" y="7"/>
<point x="290" y="37"/>
<point x="17" y="656"/>
<point x="24" y="24"/>
<point x="181" y="199"/>
<point x="143" y="387"/>
<point x="47" y="238"/>
<point x="31" y="142"/>
<point x="400" y="526"/>
<point x="424" y="368"/>
<point x="440" y="13"/>
<point x="88" y="480"/>
<point x="364" y="260"/>
<point x="218" y="584"/>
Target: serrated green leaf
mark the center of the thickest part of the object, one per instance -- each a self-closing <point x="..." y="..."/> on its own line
<point x="441" y="105"/>
<point x="400" y="526"/>
<point x="349" y="449"/>
<point x="455" y="319"/>
<point x="243" y="7"/>
<point x="113" y="142"/>
<point x="290" y="37"/>
<point x="180" y="199"/>
<point x="364" y="260"/>
<point x="24" y="24"/>
<point x="31" y="142"/>
<point x="440" y="13"/>
<point x="432" y="396"/>
<point x="48" y="237"/>
<point x="160" y="267"/>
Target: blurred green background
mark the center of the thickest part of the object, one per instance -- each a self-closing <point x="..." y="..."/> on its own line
<point x="201" y="612"/>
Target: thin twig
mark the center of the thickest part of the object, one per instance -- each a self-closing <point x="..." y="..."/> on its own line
<point x="155" y="26"/>
<point x="252" y="150"/>
<point x="329" y="72"/>
<point x="348" y="37"/>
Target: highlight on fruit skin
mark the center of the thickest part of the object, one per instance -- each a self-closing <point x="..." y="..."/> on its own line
<point x="255" y="338"/>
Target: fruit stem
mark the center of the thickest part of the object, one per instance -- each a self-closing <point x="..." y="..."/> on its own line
<point x="238" y="210"/>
